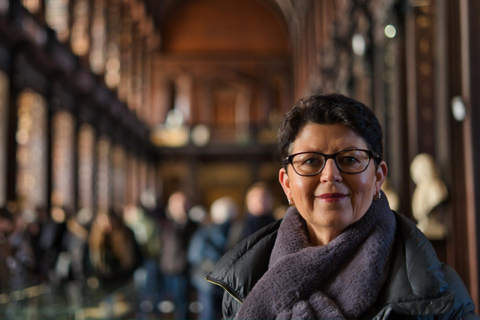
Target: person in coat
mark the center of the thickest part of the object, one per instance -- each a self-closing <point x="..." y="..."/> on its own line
<point x="206" y="247"/>
<point x="112" y="253"/>
<point x="259" y="205"/>
<point x="177" y="230"/>
<point x="340" y="252"/>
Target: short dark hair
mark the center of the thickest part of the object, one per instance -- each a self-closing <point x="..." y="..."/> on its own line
<point x="331" y="109"/>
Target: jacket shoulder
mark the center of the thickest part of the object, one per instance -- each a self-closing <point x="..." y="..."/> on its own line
<point x="463" y="307"/>
<point x="418" y="283"/>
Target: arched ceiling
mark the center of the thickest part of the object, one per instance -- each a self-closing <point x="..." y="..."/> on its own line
<point x="219" y="26"/>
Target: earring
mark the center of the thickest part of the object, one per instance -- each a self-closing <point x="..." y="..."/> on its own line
<point x="377" y="195"/>
<point x="291" y="203"/>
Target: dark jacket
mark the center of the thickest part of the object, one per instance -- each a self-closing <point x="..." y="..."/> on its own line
<point x="254" y="223"/>
<point x="407" y="293"/>
<point x="175" y="240"/>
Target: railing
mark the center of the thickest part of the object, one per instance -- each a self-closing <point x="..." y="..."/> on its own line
<point x="69" y="301"/>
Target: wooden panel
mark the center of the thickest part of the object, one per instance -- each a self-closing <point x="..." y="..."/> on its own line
<point x="224" y="100"/>
<point x="449" y="130"/>
<point x="470" y="9"/>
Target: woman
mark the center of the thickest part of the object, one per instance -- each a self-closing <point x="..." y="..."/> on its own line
<point x="340" y="252"/>
<point x="177" y="230"/>
<point x="113" y="253"/>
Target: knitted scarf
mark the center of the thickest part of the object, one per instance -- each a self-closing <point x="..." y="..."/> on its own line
<point x="340" y="280"/>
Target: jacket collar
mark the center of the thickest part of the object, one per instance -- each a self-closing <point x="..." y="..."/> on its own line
<point x="415" y="284"/>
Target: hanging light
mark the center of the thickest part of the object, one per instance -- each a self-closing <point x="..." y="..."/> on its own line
<point x="358" y="44"/>
<point x="390" y="31"/>
<point x="458" y="108"/>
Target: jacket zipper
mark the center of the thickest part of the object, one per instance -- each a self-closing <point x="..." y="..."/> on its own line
<point x="224" y="287"/>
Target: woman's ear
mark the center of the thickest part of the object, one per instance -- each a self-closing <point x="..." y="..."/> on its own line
<point x="380" y="175"/>
<point x="285" y="182"/>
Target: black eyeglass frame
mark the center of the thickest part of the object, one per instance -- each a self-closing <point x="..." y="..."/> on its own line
<point x="371" y="155"/>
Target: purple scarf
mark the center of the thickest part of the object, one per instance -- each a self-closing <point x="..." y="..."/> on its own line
<point x="340" y="280"/>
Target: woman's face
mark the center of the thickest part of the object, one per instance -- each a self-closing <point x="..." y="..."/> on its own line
<point x="331" y="200"/>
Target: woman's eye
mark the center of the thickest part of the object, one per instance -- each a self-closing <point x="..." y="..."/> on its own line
<point x="311" y="162"/>
<point x="348" y="160"/>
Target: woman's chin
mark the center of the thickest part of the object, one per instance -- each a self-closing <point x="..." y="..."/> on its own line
<point x="336" y="222"/>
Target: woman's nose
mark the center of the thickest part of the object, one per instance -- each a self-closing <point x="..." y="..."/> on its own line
<point x="330" y="172"/>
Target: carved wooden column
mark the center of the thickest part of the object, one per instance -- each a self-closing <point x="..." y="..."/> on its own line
<point x="420" y="62"/>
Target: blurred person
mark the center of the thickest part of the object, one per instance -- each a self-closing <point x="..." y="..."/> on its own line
<point x="147" y="277"/>
<point x="259" y="206"/>
<point x="35" y="223"/>
<point x="6" y="229"/>
<point x="199" y="215"/>
<point x="16" y="256"/>
<point x="206" y="247"/>
<point x="22" y="260"/>
<point x="74" y="247"/>
<point x="50" y="241"/>
<point x="113" y="253"/>
<point x="71" y="265"/>
<point x="177" y="230"/>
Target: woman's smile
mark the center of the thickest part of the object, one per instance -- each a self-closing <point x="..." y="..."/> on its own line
<point x="332" y="197"/>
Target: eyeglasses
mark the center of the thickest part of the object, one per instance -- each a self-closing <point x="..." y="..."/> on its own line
<point x="347" y="161"/>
